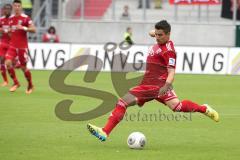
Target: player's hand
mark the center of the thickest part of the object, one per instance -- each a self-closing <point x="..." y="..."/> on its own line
<point x="4" y="30"/>
<point x="152" y="33"/>
<point x="20" y="27"/>
<point x="163" y="90"/>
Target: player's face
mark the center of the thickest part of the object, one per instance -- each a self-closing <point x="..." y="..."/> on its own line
<point x="130" y="30"/>
<point x="161" y="36"/>
<point x="17" y="7"/>
<point x="7" y="10"/>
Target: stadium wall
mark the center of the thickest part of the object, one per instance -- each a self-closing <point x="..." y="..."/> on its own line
<point x="195" y="34"/>
<point x="191" y="60"/>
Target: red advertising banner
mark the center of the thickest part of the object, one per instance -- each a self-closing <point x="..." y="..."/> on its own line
<point x="193" y="2"/>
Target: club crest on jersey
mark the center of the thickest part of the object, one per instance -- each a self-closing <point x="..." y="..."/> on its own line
<point x="20" y="22"/>
<point x="171" y="62"/>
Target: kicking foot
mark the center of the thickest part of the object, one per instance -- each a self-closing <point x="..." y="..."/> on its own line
<point x="29" y="89"/>
<point x="97" y="132"/>
<point x="14" y="87"/>
<point x="4" y="84"/>
<point x="211" y="113"/>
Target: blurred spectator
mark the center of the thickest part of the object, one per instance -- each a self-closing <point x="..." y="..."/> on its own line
<point x="147" y="3"/>
<point x="27" y="6"/>
<point x="50" y="36"/>
<point x="125" y="14"/>
<point x="128" y="36"/>
<point x="158" y="4"/>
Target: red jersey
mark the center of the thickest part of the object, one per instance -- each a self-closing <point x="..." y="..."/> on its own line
<point x="4" y="24"/>
<point x="19" y="37"/>
<point x="160" y="58"/>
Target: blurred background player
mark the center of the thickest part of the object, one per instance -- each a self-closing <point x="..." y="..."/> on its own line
<point x="51" y="35"/>
<point x="156" y="85"/>
<point x="4" y="41"/>
<point x="20" y="25"/>
<point x="128" y="36"/>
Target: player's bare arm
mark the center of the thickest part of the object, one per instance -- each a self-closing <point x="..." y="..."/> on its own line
<point x="32" y="28"/>
<point x="169" y="82"/>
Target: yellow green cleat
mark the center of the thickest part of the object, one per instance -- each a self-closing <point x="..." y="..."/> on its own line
<point x="211" y="113"/>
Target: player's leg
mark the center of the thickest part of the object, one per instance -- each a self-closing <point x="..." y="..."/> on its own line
<point x="23" y="59"/>
<point x="185" y="106"/>
<point x="115" y="117"/>
<point x="10" y="56"/>
<point x="119" y="112"/>
<point x="171" y="100"/>
<point x="3" y="51"/>
<point x="3" y="72"/>
<point x="137" y="95"/>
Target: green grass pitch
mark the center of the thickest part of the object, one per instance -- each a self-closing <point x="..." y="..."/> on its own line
<point x="30" y="130"/>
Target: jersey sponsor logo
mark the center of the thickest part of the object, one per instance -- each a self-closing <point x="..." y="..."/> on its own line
<point x="171" y="62"/>
<point x="5" y="28"/>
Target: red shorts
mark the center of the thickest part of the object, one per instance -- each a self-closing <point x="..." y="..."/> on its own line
<point x="145" y="93"/>
<point x="16" y="54"/>
<point x="3" y="49"/>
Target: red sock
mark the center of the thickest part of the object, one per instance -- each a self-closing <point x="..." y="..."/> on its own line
<point x="189" y="106"/>
<point x="115" y="117"/>
<point x="12" y="74"/>
<point x="28" y="76"/>
<point x="4" y="73"/>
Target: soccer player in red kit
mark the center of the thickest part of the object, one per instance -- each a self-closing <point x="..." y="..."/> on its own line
<point x="156" y="84"/>
<point x="4" y="41"/>
<point x="20" y="25"/>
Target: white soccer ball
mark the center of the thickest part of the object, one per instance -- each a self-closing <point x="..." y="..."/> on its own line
<point x="136" y="140"/>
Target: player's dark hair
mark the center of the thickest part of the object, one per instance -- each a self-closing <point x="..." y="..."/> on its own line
<point x="17" y="1"/>
<point x="7" y="5"/>
<point x="163" y="25"/>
